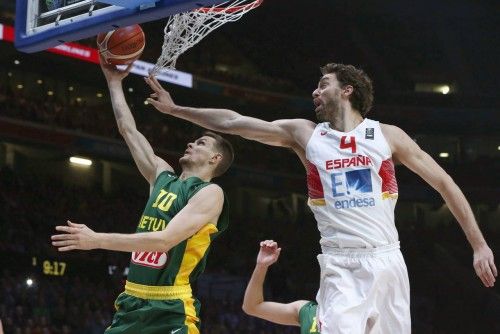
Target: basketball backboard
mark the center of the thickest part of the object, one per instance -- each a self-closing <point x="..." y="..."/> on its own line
<point x="41" y="24"/>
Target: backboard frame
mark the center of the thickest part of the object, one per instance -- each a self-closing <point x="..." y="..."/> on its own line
<point x="32" y="38"/>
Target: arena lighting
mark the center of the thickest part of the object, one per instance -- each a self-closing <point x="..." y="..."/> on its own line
<point x="146" y="103"/>
<point x="71" y="88"/>
<point x="131" y="90"/>
<point x="39" y="81"/>
<point x="17" y="62"/>
<point x="19" y="86"/>
<point x="498" y="148"/>
<point x="29" y="282"/>
<point x="444" y="155"/>
<point x="50" y="93"/>
<point x="80" y="161"/>
<point x="99" y="94"/>
<point x="445" y="89"/>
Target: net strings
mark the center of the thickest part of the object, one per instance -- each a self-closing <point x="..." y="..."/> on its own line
<point x="185" y="30"/>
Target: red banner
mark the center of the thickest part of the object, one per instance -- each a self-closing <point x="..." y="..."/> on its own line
<point x="6" y="33"/>
<point x="78" y="51"/>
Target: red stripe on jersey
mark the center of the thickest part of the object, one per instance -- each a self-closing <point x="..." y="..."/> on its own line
<point x="314" y="186"/>
<point x="388" y="176"/>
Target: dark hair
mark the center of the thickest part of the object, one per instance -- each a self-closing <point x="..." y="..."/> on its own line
<point x="362" y="95"/>
<point x="225" y="148"/>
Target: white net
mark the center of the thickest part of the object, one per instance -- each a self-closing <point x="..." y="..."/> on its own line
<point x="184" y="30"/>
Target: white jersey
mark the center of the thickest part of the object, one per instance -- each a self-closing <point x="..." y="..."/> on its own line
<point x="352" y="186"/>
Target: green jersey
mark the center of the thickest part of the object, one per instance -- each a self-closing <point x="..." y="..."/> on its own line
<point x="307" y="318"/>
<point x="186" y="261"/>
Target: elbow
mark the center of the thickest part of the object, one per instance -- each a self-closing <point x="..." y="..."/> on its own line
<point x="445" y="185"/>
<point x="125" y="128"/>
<point x="228" y="125"/>
<point x="248" y="309"/>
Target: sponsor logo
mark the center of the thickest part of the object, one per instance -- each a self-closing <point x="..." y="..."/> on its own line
<point x="354" y="203"/>
<point x="370" y="133"/>
<point x="155" y="260"/>
<point x="175" y="331"/>
<point x="352" y="183"/>
<point x="322" y="133"/>
<point x="359" y="160"/>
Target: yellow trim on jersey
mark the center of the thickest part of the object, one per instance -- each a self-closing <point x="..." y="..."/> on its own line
<point x="386" y="195"/>
<point x="158" y="292"/>
<point x="191" y="317"/>
<point x="317" y="201"/>
<point x="116" y="306"/>
<point x="196" y="248"/>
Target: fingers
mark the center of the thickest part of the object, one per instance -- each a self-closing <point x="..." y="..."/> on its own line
<point x="75" y="225"/>
<point x="67" y="248"/>
<point x="129" y="67"/>
<point x="67" y="229"/>
<point x="152" y="85"/>
<point x="493" y="267"/>
<point x="485" y="273"/>
<point x="63" y="237"/>
<point x="488" y="275"/>
<point x="63" y="243"/>
<point x="154" y="102"/>
<point x="155" y="82"/>
<point x="269" y="244"/>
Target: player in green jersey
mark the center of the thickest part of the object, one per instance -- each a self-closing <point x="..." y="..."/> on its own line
<point x="183" y="215"/>
<point x="298" y="313"/>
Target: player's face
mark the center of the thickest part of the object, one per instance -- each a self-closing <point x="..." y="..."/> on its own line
<point x="200" y="152"/>
<point x="327" y="97"/>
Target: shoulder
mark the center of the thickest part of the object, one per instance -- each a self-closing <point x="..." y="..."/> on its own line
<point x="391" y="130"/>
<point x="300" y="129"/>
<point x="395" y="136"/>
<point x="210" y="191"/>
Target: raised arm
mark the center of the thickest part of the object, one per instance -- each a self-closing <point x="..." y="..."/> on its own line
<point x="409" y="153"/>
<point x="293" y="133"/>
<point x="202" y="209"/>
<point x="148" y="163"/>
<point x="253" y="302"/>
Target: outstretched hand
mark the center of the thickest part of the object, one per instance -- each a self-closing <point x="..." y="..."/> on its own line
<point x="112" y="73"/>
<point x="76" y="236"/>
<point x="160" y="98"/>
<point x="269" y="253"/>
<point x="484" y="265"/>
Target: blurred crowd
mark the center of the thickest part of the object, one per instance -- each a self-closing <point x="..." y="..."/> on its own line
<point x="162" y="132"/>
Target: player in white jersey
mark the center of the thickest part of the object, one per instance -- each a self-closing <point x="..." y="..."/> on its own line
<point x="352" y="192"/>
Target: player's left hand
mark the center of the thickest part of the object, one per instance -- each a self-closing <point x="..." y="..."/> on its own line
<point x="484" y="264"/>
<point x="76" y="236"/>
<point x="160" y="98"/>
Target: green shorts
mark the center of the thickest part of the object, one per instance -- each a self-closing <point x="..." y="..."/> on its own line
<point x="155" y="310"/>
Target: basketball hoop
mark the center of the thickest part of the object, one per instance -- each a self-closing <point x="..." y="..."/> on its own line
<point x="184" y="30"/>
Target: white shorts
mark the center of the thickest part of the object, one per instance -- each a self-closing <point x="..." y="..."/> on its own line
<point x="364" y="291"/>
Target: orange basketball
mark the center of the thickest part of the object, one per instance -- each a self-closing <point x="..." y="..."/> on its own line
<point x="121" y="46"/>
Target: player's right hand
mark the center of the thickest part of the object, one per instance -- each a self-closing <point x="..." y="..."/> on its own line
<point x="269" y="253"/>
<point x="75" y="236"/>
<point x="112" y="73"/>
<point x="160" y="98"/>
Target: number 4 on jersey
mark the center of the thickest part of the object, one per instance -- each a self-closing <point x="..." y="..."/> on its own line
<point x="351" y="144"/>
